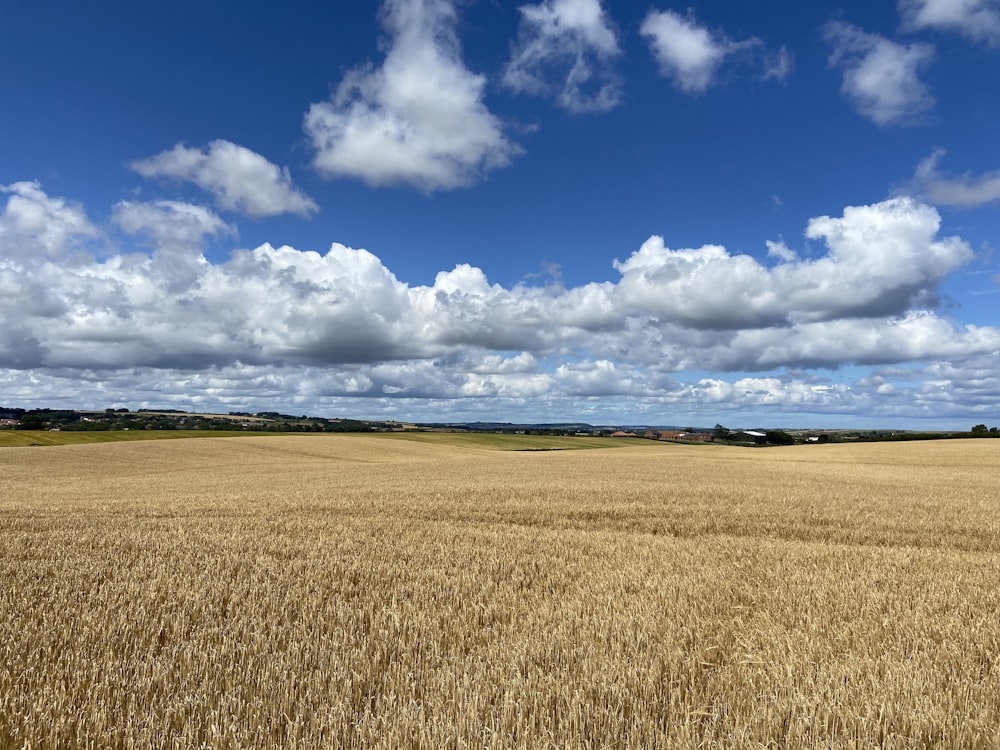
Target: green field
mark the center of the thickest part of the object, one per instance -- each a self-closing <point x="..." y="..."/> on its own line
<point x="23" y="438"/>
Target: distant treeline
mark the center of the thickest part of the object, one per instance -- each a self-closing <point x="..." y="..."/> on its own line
<point x="172" y="419"/>
<point x="991" y="432"/>
<point x="273" y="421"/>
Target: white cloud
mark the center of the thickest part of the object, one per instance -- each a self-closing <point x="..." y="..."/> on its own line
<point x="978" y="20"/>
<point x="33" y="224"/>
<point x="916" y="336"/>
<point x="949" y="395"/>
<point x="575" y="38"/>
<point x="176" y="232"/>
<point x="691" y="55"/>
<point x="781" y="251"/>
<point x="778" y="65"/>
<point x="170" y="225"/>
<point x="419" y="119"/>
<point x="302" y="328"/>
<point x="882" y="260"/>
<point x="688" y="53"/>
<point x="880" y="76"/>
<point x="964" y="191"/>
<point x="240" y="179"/>
<point x="600" y="378"/>
<point x="283" y="305"/>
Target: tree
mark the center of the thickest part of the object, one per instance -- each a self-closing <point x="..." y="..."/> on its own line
<point x="721" y="433"/>
<point x="979" y="429"/>
<point x="30" y="422"/>
<point x="777" y="437"/>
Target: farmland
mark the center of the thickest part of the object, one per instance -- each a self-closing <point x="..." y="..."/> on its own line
<point x="435" y="591"/>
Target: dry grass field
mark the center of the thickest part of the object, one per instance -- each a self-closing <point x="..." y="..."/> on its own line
<point x="381" y="592"/>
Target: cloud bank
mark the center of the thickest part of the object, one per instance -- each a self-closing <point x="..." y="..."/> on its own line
<point x="332" y="328"/>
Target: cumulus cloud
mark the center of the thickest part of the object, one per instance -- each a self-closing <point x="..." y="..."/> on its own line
<point x="240" y="179"/>
<point x="326" y="328"/>
<point x="882" y="260"/>
<point x="419" y="119"/>
<point x="881" y="77"/>
<point x="33" y="224"/>
<point x="566" y="46"/>
<point x="691" y="55"/>
<point x="978" y="20"/>
<point x="963" y="191"/>
<point x="176" y="232"/>
<point x="781" y="251"/>
<point x="170" y="225"/>
<point x="600" y="378"/>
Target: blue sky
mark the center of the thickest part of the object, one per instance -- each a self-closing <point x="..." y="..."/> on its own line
<point x="760" y="214"/>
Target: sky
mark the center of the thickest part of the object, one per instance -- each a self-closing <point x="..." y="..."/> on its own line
<point x="770" y="214"/>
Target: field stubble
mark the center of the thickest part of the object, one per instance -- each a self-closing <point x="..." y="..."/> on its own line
<point x="367" y="592"/>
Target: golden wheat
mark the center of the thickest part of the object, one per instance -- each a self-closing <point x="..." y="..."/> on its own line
<point x="367" y="592"/>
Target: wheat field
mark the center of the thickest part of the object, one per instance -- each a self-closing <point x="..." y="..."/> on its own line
<point x="337" y="591"/>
